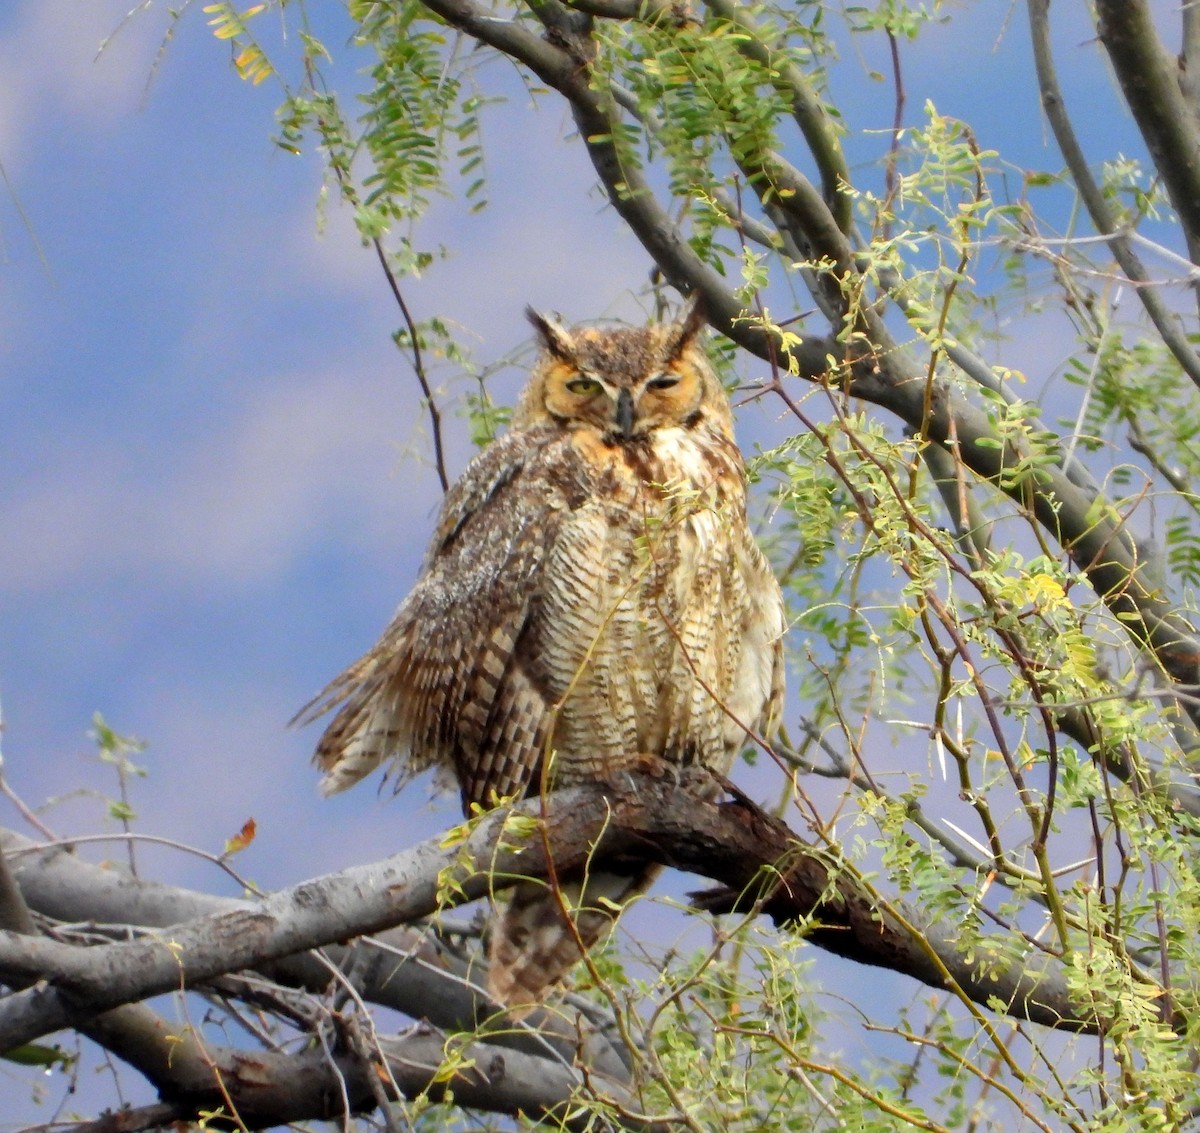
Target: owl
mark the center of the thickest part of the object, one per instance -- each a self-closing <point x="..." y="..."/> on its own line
<point x="592" y="596"/>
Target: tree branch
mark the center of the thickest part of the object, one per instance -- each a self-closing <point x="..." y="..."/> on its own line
<point x="407" y="969"/>
<point x="521" y="1068"/>
<point x="1165" y="320"/>
<point x="132" y="1031"/>
<point x="807" y="109"/>
<point x="639" y="815"/>
<point x="267" y="1089"/>
<point x="1149" y="77"/>
<point x="14" y="913"/>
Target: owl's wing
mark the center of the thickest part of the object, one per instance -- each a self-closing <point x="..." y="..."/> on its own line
<point x="451" y="681"/>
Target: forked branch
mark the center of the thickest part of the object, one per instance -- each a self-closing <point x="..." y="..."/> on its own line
<point x="638" y="815"/>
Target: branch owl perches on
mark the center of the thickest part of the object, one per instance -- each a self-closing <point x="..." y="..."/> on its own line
<point x="592" y="594"/>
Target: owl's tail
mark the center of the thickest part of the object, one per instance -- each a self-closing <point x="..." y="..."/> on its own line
<point x="538" y="935"/>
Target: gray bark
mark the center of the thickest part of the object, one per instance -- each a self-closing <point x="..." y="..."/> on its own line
<point x="640" y="815"/>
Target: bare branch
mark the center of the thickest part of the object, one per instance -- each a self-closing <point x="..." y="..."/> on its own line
<point x="269" y="1089"/>
<point x="1149" y="77"/>
<point x="647" y="816"/>
<point x="132" y="1031"/>
<point x="418" y="365"/>
<point x="410" y="970"/>
<point x="1165" y="320"/>
<point x="14" y="913"/>
<point x="154" y="1116"/>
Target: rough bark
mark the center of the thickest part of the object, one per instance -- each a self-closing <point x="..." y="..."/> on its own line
<point x="640" y="815"/>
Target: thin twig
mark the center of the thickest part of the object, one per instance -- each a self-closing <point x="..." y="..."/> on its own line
<point x="219" y="861"/>
<point x="418" y="360"/>
<point x="1089" y="387"/>
<point x="891" y="177"/>
<point x="23" y="808"/>
<point x="156" y="1115"/>
<point x="418" y="364"/>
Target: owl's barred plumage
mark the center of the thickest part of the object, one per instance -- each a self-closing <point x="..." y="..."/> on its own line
<point x="592" y="594"/>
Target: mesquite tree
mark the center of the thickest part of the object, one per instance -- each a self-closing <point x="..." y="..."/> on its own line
<point x="989" y="743"/>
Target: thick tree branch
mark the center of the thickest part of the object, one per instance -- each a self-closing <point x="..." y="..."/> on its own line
<point x="640" y="815"/>
<point x="407" y="969"/>
<point x="807" y="109"/>
<point x="357" y="902"/>
<point x="132" y="1031"/>
<point x="1149" y="77"/>
<point x="14" y="913"/>
<point x="1165" y="321"/>
<point x="267" y="1089"/>
<point x="519" y="1069"/>
<point x="157" y="1115"/>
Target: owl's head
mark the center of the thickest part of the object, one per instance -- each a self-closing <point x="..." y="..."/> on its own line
<point x="623" y="381"/>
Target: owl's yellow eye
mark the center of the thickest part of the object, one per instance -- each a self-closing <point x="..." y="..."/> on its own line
<point x="663" y="381"/>
<point x="583" y="385"/>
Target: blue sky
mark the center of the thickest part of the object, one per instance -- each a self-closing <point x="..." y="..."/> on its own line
<point x="214" y="488"/>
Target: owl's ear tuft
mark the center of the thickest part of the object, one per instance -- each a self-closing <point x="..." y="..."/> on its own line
<point x="691" y="322"/>
<point x="552" y="334"/>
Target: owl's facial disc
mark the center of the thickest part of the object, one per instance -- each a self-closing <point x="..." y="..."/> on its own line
<point x="625" y="406"/>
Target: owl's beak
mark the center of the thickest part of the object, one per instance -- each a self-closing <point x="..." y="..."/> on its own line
<point x="625" y="413"/>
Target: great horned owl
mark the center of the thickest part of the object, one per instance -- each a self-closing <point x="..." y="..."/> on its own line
<point x="592" y="594"/>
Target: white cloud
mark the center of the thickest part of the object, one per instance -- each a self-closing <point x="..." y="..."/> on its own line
<point x="49" y="59"/>
<point x="232" y="509"/>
